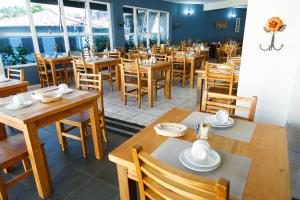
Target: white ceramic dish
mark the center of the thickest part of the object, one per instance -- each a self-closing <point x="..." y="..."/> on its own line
<point x="69" y="90"/>
<point x="50" y="97"/>
<point x="214" y="122"/>
<point x="12" y="106"/>
<point x="4" y="80"/>
<point x="213" y="160"/>
<point x="170" y="129"/>
<point x="185" y="162"/>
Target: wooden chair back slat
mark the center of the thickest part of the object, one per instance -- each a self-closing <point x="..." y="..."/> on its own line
<point x="219" y="76"/>
<point x="15" y="74"/>
<point x="114" y="54"/>
<point x="42" y="70"/>
<point x="159" y="57"/>
<point x="158" y="179"/>
<point x="229" y="102"/>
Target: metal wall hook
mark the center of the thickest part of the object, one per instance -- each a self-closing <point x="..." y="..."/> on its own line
<point x="272" y="45"/>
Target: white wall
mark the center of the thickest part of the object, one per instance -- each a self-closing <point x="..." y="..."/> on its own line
<point x="270" y="75"/>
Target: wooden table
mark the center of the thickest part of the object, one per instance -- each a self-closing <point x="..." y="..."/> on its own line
<point x="150" y="69"/>
<point x="200" y="83"/>
<point x="268" y="175"/>
<point x="12" y="87"/>
<point x="63" y="60"/>
<point x="30" y="119"/>
<point x="98" y="63"/>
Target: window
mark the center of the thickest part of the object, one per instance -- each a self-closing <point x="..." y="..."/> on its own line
<point x="128" y="27"/>
<point x="77" y="25"/>
<point x="48" y="26"/>
<point x="16" y="46"/>
<point x="100" y="26"/>
<point x="145" y="27"/>
<point x="27" y="26"/>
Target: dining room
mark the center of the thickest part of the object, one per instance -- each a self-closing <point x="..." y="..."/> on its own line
<point x="149" y="99"/>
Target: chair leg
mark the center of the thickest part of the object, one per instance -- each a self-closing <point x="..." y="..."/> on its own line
<point x="139" y="99"/>
<point x="26" y="164"/>
<point x="103" y="126"/>
<point x="111" y="83"/>
<point x="3" y="194"/>
<point x="83" y="140"/>
<point x="155" y="90"/>
<point x="61" y="138"/>
<point x="183" y="79"/>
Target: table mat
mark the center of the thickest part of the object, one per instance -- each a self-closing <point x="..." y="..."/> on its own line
<point x="242" y="130"/>
<point x="234" y="168"/>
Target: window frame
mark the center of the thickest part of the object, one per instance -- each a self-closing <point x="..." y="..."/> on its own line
<point x="148" y="33"/>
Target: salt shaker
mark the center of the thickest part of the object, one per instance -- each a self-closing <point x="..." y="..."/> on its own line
<point x="204" y="131"/>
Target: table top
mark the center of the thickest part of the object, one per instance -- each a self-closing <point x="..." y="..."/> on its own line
<point x="269" y="173"/>
<point x="40" y="110"/>
<point x="101" y="60"/>
<point x="58" y="58"/>
<point x="11" y="83"/>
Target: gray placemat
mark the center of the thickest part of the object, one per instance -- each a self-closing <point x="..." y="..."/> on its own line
<point x="234" y="168"/>
<point x="242" y="130"/>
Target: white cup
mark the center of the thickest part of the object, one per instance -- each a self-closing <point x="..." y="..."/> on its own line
<point x="18" y="100"/>
<point x="62" y="88"/>
<point x="200" y="149"/>
<point x="222" y="116"/>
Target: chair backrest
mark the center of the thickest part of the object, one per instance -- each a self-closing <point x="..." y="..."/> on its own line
<point x="219" y="76"/>
<point x="91" y="82"/>
<point x="79" y="64"/>
<point x="235" y="60"/>
<point x="134" y="54"/>
<point x="178" y="58"/>
<point x="130" y="70"/>
<point x="155" y="49"/>
<point x="42" y="69"/>
<point x="159" y="57"/>
<point x="15" y="74"/>
<point x="157" y="180"/>
<point x="114" y="54"/>
<point x="211" y="104"/>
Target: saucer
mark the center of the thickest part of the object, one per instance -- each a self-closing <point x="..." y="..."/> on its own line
<point x="215" y="123"/>
<point x="12" y="106"/>
<point x="213" y="160"/>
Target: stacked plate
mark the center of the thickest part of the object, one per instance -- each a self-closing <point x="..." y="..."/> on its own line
<point x="216" y="123"/>
<point x="13" y="106"/>
<point x="211" y="163"/>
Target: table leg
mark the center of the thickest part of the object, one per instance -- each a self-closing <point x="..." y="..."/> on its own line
<point x="94" y="117"/>
<point x="38" y="160"/>
<point x="117" y="70"/>
<point x="3" y="134"/>
<point x="127" y="187"/>
<point x="199" y="92"/>
<point x="53" y="69"/>
<point x="192" y="74"/>
<point x="150" y="88"/>
<point x="169" y="83"/>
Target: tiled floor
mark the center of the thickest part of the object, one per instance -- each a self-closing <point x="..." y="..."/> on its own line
<point x="181" y="97"/>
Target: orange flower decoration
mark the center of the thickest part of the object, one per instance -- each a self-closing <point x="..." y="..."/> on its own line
<point x="274" y="24"/>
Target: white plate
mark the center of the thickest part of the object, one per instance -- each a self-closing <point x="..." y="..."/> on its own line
<point x="189" y="165"/>
<point x="4" y="80"/>
<point x="212" y="161"/>
<point x="69" y="90"/>
<point x="12" y="106"/>
<point x="170" y="129"/>
<point x="212" y="120"/>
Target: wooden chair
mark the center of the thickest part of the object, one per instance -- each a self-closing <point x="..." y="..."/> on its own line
<point x="248" y="105"/>
<point x="219" y="78"/>
<point x="159" y="79"/>
<point x="158" y="181"/>
<point x="45" y="74"/>
<point x="114" y="54"/>
<point x="134" y="54"/>
<point x="91" y="82"/>
<point x="180" y="67"/>
<point x="235" y="60"/>
<point x="15" y="74"/>
<point x="13" y="150"/>
<point x="131" y="79"/>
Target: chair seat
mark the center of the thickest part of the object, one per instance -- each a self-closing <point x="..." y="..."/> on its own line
<point x="134" y="83"/>
<point x="107" y="72"/>
<point x="77" y="119"/>
<point x="11" y="148"/>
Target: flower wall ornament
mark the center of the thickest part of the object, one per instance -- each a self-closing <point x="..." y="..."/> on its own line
<point x="273" y="26"/>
